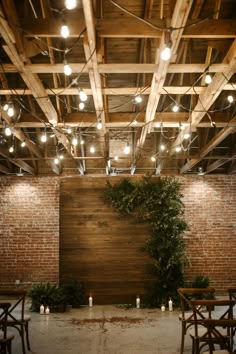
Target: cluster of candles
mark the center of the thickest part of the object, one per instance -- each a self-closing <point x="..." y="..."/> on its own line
<point x="138" y="302"/>
<point x="44" y="310"/>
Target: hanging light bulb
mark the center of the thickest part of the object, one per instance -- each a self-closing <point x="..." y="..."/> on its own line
<point x="23" y="144"/>
<point x="82" y="95"/>
<point x="92" y="149"/>
<point x="162" y="147"/>
<point x="127" y="149"/>
<point x="56" y="161"/>
<point x="186" y="136"/>
<point x="181" y="126"/>
<point x="67" y="69"/>
<point x="44" y="137"/>
<point x="81" y="105"/>
<point x="70" y="4"/>
<point x="230" y="99"/>
<point x="153" y="158"/>
<point x="61" y="156"/>
<point x="178" y="148"/>
<point x="208" y="79"/>
<point x="69" y="130"/>
<point x="11" y="149"/>
<point x="8" y="131"/>
<point x="99" y="124"/>
<point x="11" y="111"/>
<point x="82" y="142"/>
<point x="65" y="32"/>
<point x="166" y="52"/>
<point x="5" y="107"/>
<point x="175" y="108"/>
<point x="74" y="141"/>
<point x="116" y="158"/>
<point x="138" y="99"/>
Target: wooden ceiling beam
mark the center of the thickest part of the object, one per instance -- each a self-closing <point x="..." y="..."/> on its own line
<point x="5" y="170"/>
<point x="115" y="68"/>
<point x="129" y="28"/>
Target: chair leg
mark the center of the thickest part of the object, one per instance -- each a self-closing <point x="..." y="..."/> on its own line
<point x="27" y="335"/>
<point x="9" y="347"/>
<point x="182" y="340"/>
<point x="22" y="334"/>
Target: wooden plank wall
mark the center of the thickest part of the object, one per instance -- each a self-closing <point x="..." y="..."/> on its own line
<point x="98" y="246"/>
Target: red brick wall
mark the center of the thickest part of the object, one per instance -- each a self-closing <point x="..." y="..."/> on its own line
<point x="210" y="210"/>
<point x="29" y="230"/>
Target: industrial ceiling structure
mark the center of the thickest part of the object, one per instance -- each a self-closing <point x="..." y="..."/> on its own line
<point x="113" y="87"/>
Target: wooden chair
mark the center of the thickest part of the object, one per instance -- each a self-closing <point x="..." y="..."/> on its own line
<point x="5" y="338"/>
<point x="207" y="310"/>
<point x="213" y="327"/>
<point x="18" y="320"/>
<point x="187" y="317"/>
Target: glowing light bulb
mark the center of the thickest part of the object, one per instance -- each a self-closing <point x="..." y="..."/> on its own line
<point x="5" y="107"/>
<point x="56" y="161"/>
<point x="99" y="125"/>
<point x="11" y="111"/>
<point x="23" y="144"/>
<point x="61" y="156"/>
<point x="127" y="149"/>
<point x="82" y="142"/>
<point x="175" y="108"/>
<point x="92" y="149"/>
<point x="162" y="147"/>
<point x="186" y="136"/>
<point x="8" y="131"/>
<point x="82" y="95"/>
<point x="65" y="32"/>
<point x="138" y="99"/>
<point x="230" y="99"/>
<point x="153" y="158"/>
<point x="116" y="158"/>
<point x="74" y="141"/>
<point x="208" y="79"/>
<point x="67" y="70"/>
<point x="69" y="130"/>
<point x="81" y="105"/>
<point x="178" y="149"/>
<point x="11" y="149"/>
<point x="44" y="138"/>
<point x="70" y="4"/>
<point x="166" y="53"/>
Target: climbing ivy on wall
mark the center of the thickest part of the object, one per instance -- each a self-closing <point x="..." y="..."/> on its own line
<point x="158" y="203"/>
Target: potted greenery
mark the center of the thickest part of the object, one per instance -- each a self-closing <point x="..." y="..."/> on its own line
<point x="74" y="292"/>
<point x="46" y="294"/>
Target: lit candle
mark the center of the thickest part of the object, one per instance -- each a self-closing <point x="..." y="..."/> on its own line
<point x="163" y="308"/>
<point x="41" y="310"/>
<point x="138" y="302"/>
<point x="90" y="301"/>
<point x="47" y="311"/>
<point x="170" y="303"/>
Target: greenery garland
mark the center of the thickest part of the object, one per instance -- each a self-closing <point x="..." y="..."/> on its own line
<point x="158" y="203"/>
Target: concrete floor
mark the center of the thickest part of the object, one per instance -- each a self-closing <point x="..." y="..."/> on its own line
<point x="105" y="329"/>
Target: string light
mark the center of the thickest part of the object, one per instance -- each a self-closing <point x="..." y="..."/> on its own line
<point x="166" y="52"/>
<point x="67" y="69"/>
<point x="162" y="147"/>
<point x="175" y="108"/>
<point x="230" y="99"/>
<point x="11" y="149"/>
<point x="186" y="136"/>
<point x="69" y="130"/>
<point x="82" y="142"/>
<point x="5" y="107"/>
<point x="56" y="161"/>
<point x="127" y="149"/>
<point x="138" y="99"/>
<point x="44" y="137"/>
<point x="8" y="131"/>
<point x="65" y="32"/>
<point x="82" y="95"/>
<point x="116" y="158"/>
<point x="178" y="148"/>
<point x="92" y="149"/>
<point x="208" y="79"/>
<point x="81" y="105"/>
<point x="70" y="4"/>
<point x="99" y="124"/>
<point x="23" y="144"/>
<point x="74" y="141"/>
<point x="153" y="158"/>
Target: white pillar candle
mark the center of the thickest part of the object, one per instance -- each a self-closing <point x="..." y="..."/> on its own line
<point x="163" y="308"/>
<point x="47" y="311"/>
<point x="137" y="302"/>
<point x="41" y="310"/>
<point x="170" y="304"/>
<point x="90" y="301"/>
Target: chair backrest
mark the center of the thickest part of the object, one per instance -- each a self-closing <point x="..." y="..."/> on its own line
<point x="223" y="313"/>
<point x="4" y="308"/>
<point x="232" y="293"/>
<point x="18" y="305"/>
<point x="187" y="294"/>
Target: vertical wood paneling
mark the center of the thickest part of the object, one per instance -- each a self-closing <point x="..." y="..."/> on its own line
<point x="98" y="246"/>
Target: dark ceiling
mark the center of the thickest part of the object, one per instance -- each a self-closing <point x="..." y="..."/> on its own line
<point x="182" y="124"/>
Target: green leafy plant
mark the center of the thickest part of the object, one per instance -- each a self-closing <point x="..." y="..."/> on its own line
<point x="46" y="294"/>
<point x="201" y="281"/>
<point x="74" y="292"/>
<point x="158" y="203"/>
